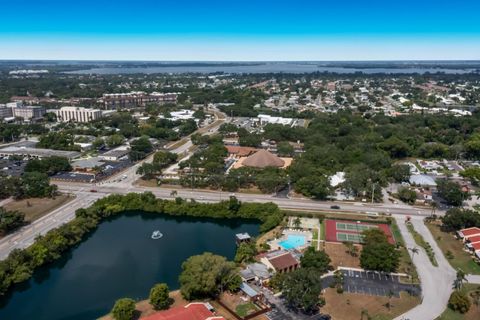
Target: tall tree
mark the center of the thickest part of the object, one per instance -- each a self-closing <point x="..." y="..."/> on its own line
<point x="302" y="288"/>
<point x="207" y="275"/>
<point x="124" y="309"/>
<point x="159" y="297"/>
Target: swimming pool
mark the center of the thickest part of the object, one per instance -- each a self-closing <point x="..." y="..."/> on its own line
<point x="292" y="242"/>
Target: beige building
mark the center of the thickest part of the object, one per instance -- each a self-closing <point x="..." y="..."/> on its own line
<point x="78" y="114"/>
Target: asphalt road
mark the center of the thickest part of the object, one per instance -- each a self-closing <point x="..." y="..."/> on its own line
<point x="26" y="235"/>
<point x="284" y="203"/>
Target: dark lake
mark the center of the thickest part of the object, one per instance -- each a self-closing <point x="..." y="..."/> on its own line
<point x="120" y="260"/>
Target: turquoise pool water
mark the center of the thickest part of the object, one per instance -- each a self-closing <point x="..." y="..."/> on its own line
<point x="292" y="242"/>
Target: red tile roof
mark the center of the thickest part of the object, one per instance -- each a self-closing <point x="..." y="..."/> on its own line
<point x="474" y="239"/>
<point x="476" y="246"/>
<point x="283" y="261"/>
<point x="470" y="231"/>
<point x="192" y="311"/>
<point x="241" y="151"/>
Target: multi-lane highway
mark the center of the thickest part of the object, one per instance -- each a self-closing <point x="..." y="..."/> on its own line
<point x="84" y="198"/>
<point x="26" y="235"/>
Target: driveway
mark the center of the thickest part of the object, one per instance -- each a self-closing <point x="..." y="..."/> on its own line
<point x="436" y="282"/>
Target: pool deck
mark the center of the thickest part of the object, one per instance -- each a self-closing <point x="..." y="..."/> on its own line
<point x="275" y="244"/>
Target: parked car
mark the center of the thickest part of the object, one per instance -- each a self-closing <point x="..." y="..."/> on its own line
<point x="335" y="207"/>
<point x="93" y="190"/>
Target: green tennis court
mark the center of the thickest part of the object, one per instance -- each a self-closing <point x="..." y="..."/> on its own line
<point x="354" y="226"/>
<point x="352" y="237"/>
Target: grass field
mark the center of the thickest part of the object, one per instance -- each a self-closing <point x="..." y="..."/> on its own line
<point x="472" y="314"/>
<point x="448" y="243"/>
<point x="351" y="306"/>
<point x="35" y="208"/>
<point x="244" y="309"/>
<point x="396" y="233"/>
<point x="340" y="257"/>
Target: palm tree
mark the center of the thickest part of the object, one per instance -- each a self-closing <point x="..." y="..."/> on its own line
<point x="434" y="207"/>
<point x="297" y="222"/>
<point x="389" y="303"/>
<point x="460" y="279"/>
<point x="414" y="251"/>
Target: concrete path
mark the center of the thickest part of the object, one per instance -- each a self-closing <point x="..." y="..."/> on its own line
<point x="5" y="201"/>
<point x="473" y="278"/>
<point x="436" y="282"/>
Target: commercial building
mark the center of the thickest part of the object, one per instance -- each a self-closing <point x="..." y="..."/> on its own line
<point x="267" y="119"/>
<point x="136" y="99"/>
<point x="5" y="112"/>
<point x="29" y="113"/>
<point x="117" y="154"/>
<point x="36" y="153"/>
<point x="78" y="114"/>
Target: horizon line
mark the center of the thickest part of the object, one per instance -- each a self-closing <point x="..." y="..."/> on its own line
<point x="240" y="61"/>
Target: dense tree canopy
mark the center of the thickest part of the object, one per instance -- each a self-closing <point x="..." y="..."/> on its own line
<point x="301" y="289"/>
<point x="246" y="252"/>
<point x="318" y="260"/>
<point x="456" y="219"/>
<point x="10" y="220"/>
<point x="451" y="192"/>
<point x="207" y="275"/>
<point x="140" y="148"/>
<point x="377" y="253"/>
<point x="49" y="166"/>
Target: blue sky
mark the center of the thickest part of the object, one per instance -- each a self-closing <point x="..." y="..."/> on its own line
<point x="239" y="30"/>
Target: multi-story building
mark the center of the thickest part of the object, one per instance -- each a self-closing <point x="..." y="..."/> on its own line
<point x="5" y="112"/>
<point x="29" y="113"/>
<point x="136" y="99"/>
<point x="78" y="114"/>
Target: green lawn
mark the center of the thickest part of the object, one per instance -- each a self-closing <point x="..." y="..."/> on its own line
<point x="459" y="258"/>
<point x="314" y="234"/>
<point x="244" y="309"/>
<point x="396" y="233"/>
<point x="473" y="313"/>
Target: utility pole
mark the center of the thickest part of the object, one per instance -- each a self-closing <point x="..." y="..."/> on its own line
<point x="373" y="191"/>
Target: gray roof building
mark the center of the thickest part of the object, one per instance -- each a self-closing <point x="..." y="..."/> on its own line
<point x="28" y="152"/>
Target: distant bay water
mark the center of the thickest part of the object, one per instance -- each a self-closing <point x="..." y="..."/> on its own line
<point x="277" y="67"/>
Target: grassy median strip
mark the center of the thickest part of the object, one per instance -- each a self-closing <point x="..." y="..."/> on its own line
<point x="424" y="244"/>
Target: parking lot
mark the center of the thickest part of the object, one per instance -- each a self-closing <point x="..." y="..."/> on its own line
<point x="361" y="282"/>
<point x="374" y="283"/>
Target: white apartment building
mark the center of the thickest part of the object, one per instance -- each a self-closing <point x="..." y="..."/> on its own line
<point x="78" y="114"/>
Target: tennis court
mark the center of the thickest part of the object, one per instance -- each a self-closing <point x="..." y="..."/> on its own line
<point x="354" y="226"/>
<point x="342" y="230"/>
